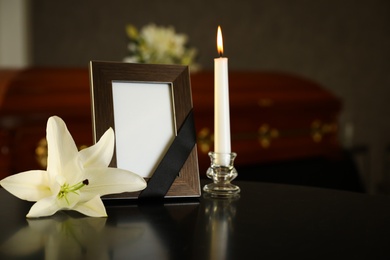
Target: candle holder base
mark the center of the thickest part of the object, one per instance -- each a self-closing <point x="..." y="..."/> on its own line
<point x="222" y="172"/>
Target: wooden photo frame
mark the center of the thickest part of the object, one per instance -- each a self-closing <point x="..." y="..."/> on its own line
<point x="149" y="106"/>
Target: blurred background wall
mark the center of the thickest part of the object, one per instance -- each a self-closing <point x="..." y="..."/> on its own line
<point x="343" y="45"/>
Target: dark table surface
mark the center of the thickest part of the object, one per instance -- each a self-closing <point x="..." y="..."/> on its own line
<point x="268" y="221"/>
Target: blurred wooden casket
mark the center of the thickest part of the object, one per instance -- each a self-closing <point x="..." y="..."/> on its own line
<point x="274" y="116"/>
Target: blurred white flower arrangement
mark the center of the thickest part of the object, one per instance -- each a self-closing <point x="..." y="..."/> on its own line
<point x="159" y="45"/>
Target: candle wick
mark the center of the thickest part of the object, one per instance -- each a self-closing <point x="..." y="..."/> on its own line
<point x="220" y="54"/>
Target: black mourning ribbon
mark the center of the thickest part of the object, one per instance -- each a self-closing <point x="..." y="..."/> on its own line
<point x="172" y="162"/>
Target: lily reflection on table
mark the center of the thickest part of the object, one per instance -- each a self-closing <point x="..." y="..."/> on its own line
<point x="66" y="237"/>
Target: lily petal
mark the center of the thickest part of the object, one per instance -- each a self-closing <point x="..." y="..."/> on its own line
<point x="61" y="146"/>
<point x="43" y="208"/>
<point x="99" y="154"/>
<point x="30" y="185"/>
<point x="105" y="181"/>
<point x="92" y="208"/>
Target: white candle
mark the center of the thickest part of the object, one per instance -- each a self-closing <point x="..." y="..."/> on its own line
<point x="221" y="104"/>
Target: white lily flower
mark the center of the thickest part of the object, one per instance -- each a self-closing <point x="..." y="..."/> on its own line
<point x="74" y="180"/>
<point x="159" y="45"/>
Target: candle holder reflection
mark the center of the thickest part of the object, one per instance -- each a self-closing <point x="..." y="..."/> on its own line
<point x="222" y="175"/>
<point x="220" y="214"/>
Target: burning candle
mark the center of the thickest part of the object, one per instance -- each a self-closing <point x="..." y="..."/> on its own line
<point x="221" y="104"/>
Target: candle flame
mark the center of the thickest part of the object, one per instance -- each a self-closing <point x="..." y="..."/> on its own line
<point x="219" y="41"/>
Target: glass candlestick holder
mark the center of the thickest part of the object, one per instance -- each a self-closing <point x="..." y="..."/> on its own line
<point x="222" y="172"/>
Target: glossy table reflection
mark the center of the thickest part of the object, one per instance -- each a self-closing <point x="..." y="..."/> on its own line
<point x="268" y="221"/>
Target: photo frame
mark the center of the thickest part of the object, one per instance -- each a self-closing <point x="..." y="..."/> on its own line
<point x="149" y="106"/>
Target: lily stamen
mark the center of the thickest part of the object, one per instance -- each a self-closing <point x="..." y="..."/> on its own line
<point x="78" y="186"/>
<point x="65" y="189"/>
